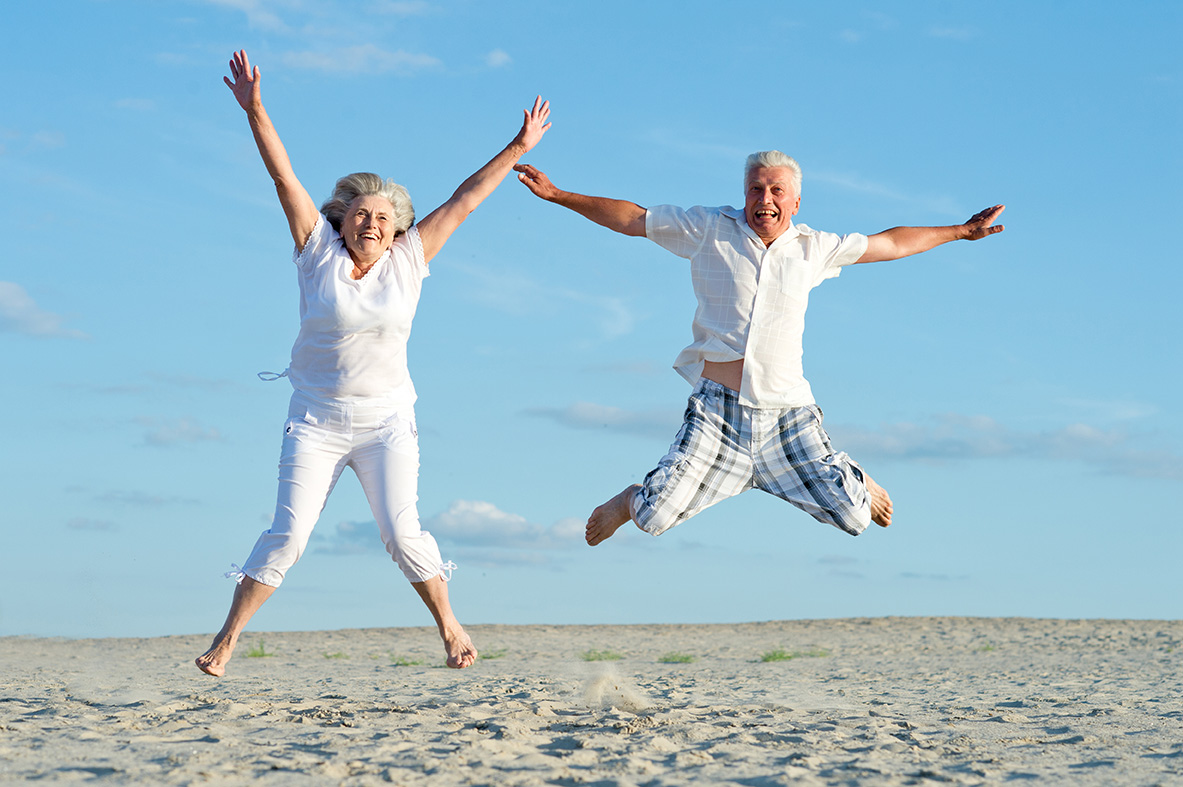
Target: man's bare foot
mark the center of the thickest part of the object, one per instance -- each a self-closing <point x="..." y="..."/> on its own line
<point x="461" y="652"/>
<point x="608" y="518"/>
<point x="880" y="502"/>
<point x="213" y="661"/>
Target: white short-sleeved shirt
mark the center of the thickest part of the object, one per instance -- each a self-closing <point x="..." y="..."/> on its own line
<point x="353" y="333"/>
<point x="751" y="298"/>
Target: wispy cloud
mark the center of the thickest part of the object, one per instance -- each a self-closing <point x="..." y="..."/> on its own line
<point x="678" y="140"/>
<point x="260" y="14"/>
<point x="348" y="538"/>
<point x="933" y="577"/>
<point x="479" y="523"/>
<point x="587" y="415"/>
<point x="938" y="204"/>
<point x="498" y="58"/>
<point x="136" y="104"/>
<point x="95" y="525"/>
<point x="136" y="499"/>
<point x="478" y="530"/>
<point x="953" y="437"/>
<point x="48" y="140"/>
<point x="154" y="383"/>
<point x="367" y="58"/>
<point x="514" y="293"/>
<point x="401" y="7"/>
<point x="20" y="314"/>
<point x="163" y="434"/>
<point x="953" y="33"/>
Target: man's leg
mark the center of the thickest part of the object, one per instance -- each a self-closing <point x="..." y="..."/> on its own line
<point x="798" y="464"/>
<point x="708" y="462"/>
<point x="608" y="518"/>
<point x="880" y="502"/>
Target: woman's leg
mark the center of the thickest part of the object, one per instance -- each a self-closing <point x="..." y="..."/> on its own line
<point x="248" y="597"/>
<point x="310" y="463"/>
<point x="461" y="652"/>
<point x="387" y="465"/>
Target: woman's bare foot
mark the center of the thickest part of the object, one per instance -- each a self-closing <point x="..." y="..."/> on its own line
<point x="880" y="502"/>
<point x="608" y="518"/>
<point x="249" y="595"/>
<point x="213" y="661"/>
<point x="461" y="652"/>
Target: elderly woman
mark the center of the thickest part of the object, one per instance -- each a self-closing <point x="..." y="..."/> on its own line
<point x="361" y="261"/>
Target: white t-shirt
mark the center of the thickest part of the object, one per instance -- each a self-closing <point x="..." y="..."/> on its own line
<point x="353" y="333"/>
<point x="751" y="298"/>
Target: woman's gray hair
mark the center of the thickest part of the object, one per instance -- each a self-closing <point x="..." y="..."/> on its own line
<point x="365" y="184"/>
<point x="772" y="158"/>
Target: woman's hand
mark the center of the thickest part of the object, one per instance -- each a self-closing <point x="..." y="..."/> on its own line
<point x="245" y="86"/>
<point x="535" y="125"/>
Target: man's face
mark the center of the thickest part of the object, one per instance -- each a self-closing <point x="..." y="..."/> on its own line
<point x="771" y="202"/>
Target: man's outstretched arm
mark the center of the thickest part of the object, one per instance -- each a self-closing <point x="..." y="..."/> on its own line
<point x="627" y="218"/>
<point x="904" y="241"/>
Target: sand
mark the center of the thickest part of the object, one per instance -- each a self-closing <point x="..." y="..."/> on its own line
<point x="850" y="702"/>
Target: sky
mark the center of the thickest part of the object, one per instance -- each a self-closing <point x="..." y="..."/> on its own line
<point x="1019" y="396"/>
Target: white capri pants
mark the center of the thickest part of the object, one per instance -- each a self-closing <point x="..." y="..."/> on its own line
<point x="378" y="439"/>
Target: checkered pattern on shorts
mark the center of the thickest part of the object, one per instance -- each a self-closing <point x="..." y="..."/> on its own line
<point x="725" y="448"/>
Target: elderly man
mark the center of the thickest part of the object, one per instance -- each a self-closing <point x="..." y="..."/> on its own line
<point x="751" y="420"/>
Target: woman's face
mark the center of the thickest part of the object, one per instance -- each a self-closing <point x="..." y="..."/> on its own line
<point x="368" y="228"/>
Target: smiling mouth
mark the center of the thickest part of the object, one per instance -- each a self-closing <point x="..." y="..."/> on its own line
<point x="765" y="214"/>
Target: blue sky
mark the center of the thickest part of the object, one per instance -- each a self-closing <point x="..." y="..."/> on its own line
<point x="1019" y="397"/>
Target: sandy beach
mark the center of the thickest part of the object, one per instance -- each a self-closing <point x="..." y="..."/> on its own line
<point x="881" y="701"/>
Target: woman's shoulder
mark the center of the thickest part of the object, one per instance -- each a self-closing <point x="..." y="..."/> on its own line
<point x="323" y="242"/>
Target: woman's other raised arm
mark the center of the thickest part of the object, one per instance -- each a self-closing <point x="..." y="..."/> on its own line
<point x="298" y="206"/>
<point x="437" y="227"/>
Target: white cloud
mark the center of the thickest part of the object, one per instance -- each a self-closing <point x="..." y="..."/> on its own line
<point x="474" y="528"/>
<point x="259" y="13"/>
<point x="95" y="525"/>
<point x="20" y="314"/>
<point x="366" y="58"/>
<point x="498" y="58"/>
<point x="136" y="104"/>
<point x="48" y="140"/>
<point x="349" y="538"/>
<point x="142" y="499"/>
<point x="175" y="432"/>
<point x="402" y="7"/>
<point x="941" y="204"/>
<point x="953" y="437"/>
<point x="514" y="293"/>
<point x="678" y="140"/>
<point x="954" y="33"/>
<point x="587" y="415"/>
<point x="476" y="522"/>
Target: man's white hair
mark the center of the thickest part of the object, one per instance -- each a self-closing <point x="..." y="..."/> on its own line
<point x="772" y="158"/>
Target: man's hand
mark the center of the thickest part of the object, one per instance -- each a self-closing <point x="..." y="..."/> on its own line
<point x="537" y="181"/>
<point x="979" y="225"/>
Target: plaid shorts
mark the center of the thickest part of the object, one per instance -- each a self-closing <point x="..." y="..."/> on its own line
<point x="725" y="448"/>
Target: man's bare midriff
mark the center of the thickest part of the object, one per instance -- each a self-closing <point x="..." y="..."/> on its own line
<point x="729" y="374"/>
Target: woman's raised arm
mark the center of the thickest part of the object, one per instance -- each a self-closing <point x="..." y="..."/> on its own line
<point x="297" y="205"/>
<point x="437" y="227"/>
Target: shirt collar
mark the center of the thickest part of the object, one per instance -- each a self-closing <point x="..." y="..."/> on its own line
<point x="737" y="215"/>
